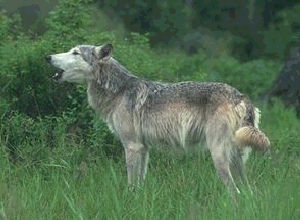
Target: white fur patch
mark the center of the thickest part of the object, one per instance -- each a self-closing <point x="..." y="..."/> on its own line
<point x="256" y="117"/>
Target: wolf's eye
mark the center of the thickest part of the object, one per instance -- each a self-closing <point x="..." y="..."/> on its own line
<point x="75" y="52"/>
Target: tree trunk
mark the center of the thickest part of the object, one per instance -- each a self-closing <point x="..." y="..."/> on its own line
<point x="287" y="85"/>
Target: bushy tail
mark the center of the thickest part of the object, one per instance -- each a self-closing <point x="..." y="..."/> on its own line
<point x="253" y="137"/>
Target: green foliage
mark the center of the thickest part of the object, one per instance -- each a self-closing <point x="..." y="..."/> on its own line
<point x="252" y="78"/>
<point x="69" y="20"/>
<point x="24" y="74"/>
<point x="24" y="81"/>
<point x="59" y="160"/>
<point x="4" y="27"/>
<point x="256" y="25"/>
<point x="283" y="34"/>
<point x="10" y="27"/>
<point x="135" y="53"/>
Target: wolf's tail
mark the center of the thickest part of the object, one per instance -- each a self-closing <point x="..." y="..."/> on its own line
<point x="253" y="137"/>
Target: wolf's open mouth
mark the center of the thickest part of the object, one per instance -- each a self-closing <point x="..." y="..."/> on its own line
<point x="58" y="75"/>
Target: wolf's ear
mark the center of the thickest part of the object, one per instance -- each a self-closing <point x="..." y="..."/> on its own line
<point x="105" y="52"/>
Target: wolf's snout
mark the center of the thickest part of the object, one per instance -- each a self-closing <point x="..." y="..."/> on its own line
<point x="48" y="58"/>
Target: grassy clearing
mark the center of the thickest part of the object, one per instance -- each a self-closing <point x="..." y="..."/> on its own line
<point x="58" y="162"/>
<point x="69" y="184"/>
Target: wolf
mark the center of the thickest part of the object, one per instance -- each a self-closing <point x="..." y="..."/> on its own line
<point x="147" y="114"/>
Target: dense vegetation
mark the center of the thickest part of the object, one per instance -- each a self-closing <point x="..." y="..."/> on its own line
<point x="59" y="160"/>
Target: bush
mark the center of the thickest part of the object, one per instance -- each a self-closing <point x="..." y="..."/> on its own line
<point x="44" y="140"/>
<point x="24" y="73"/>
<point x="252" y="78"/>
<point x="10" y="27"/>
<point x="282" y="35"/>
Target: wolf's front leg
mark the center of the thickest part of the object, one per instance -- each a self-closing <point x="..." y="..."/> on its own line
<point x="136" y="161"/>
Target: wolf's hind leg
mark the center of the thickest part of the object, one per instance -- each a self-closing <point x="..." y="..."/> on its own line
<point x="137" y="156"/>
<point x="218" y="138"/>
<point x="237" y="166"/>
<point x="221" y="159"/>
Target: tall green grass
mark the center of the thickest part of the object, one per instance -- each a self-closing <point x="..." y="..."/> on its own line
<point x="73" y="181"/>
<point x="59" y="161"/>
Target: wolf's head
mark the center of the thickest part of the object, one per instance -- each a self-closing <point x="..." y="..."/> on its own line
<point x="78" y="64"/>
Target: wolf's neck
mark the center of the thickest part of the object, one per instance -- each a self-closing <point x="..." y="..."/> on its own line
<point x="114" y="77"/>
<point x="106" y="90"/>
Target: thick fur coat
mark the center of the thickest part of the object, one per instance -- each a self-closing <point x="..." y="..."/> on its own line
<point x="146" y="114"/>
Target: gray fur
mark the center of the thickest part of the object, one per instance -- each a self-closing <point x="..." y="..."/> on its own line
<point x="146" y="114"/>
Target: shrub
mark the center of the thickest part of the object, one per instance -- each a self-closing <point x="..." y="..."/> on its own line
<point x="251" y="78"/>
<point x="10" y="27"/>
<point x="283" y="34"/>
<point x="24" y="73"/>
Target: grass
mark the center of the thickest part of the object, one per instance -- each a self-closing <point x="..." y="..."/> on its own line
<point x="63" y="169"/>
<point x="68" y="184"/>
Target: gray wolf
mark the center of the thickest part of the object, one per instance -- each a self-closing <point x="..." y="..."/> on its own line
<point x="146" y="114"/>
